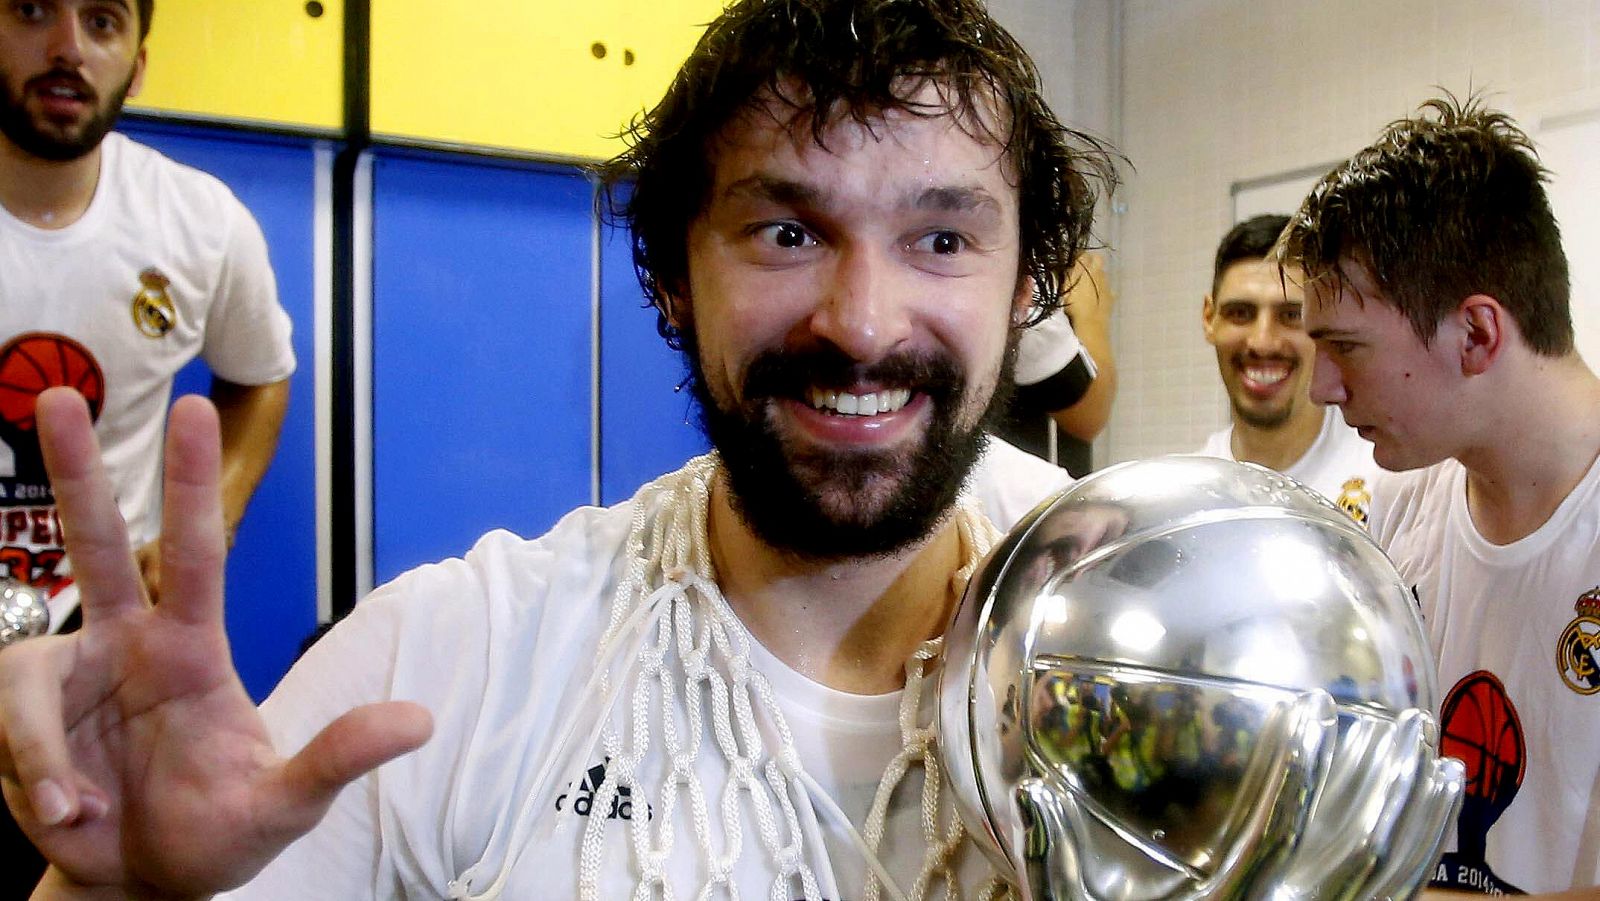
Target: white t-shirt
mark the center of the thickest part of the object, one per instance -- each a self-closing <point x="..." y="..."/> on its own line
<point x="1046" y="348"/>
<point x="1008" y="482"/>
<point x="1516" y="630"/>
<point x="164" y="265"/>
<point x="1338" y="464"/>
<point x="501" y="646"/>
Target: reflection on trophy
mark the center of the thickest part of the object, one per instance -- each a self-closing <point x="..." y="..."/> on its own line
<point x="23" y="612"/>
<point x="1190" y="678"/>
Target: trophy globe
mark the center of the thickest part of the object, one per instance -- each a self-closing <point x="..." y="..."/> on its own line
<point x="1190" y="678"/>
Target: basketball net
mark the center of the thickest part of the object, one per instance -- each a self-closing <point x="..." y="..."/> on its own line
<point x="672" y="648"/>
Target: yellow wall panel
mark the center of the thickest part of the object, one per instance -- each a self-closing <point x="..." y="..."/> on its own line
<point x="548" y="77"/>
<point x="267" y="60"/>
<point x="669" y="31"/>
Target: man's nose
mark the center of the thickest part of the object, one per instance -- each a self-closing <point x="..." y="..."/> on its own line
<point x="66" y="39"/>
<point x="864" y="310"/>
<point x="1327" y="382"/>
<point x="1264" y="335"/>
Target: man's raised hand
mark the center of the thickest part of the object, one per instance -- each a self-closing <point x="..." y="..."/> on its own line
<point x="129" y="751"/>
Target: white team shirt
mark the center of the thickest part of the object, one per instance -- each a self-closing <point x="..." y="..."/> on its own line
<point x="1008" y="482"/>
<point x="1516" y="630"/>
<point x="1046" y="348"/>
<point x="164" y="265"/>
<point x="499" y="646"/>
<point x="1338" y="465"/>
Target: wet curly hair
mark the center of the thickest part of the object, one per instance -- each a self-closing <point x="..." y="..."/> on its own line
<point x="828" y="59"/>
<point x="1445" y="204"/>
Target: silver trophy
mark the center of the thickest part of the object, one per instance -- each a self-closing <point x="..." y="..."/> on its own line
<point x="1189" y="678"/>
<point x="23" y="612"/>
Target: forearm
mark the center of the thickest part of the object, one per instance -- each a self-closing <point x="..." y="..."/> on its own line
<point x="1086" y="418"/>
<point x="1089" y="305"/>
<point x="251" y="418"/>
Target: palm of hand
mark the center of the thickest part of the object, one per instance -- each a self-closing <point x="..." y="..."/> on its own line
<point x="145" y="764"/>
<point x="164" y="736"/>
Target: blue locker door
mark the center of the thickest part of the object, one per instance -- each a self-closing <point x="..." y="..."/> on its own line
<point x="481" y="352"/>
<point x="272" y="570"/>
<point x="648" y="426"/>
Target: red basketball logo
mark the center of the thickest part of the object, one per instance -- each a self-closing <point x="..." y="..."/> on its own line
<point x="35" y="361"/>
<point x="1482" y="730"/>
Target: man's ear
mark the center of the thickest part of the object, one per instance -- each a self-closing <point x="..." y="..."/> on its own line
<point x="1208" y="308"/>
<point x="1484" y="330"/>
<point x="137" y="84"/>
<point x="675" y="306"/>
<point x="1022" y="302"/>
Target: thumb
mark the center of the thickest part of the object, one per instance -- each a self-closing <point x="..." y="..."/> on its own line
<point x="349" y="747"/>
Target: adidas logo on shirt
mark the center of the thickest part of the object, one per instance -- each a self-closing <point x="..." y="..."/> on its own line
<point x="583" y="803"/>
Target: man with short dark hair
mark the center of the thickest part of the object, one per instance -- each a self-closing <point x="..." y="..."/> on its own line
<point x="1252" y="318"/>
<point x="117" y="267"/>
<point x="842" y="210"/>
<point x="1440" y="311"/>
<point x="121" y="266"/>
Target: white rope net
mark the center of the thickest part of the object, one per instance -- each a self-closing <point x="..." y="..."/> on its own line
<point x="688" y="688"/>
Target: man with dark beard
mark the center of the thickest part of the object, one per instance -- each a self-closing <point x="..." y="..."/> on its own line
<point x="842" y="210"/>
<point x="1253" y="319"/>
<point x="117" y="267"/>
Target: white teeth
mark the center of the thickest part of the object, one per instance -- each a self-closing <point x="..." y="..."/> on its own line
<point x="1266" y="376"/>
<point x="871" y="403"/>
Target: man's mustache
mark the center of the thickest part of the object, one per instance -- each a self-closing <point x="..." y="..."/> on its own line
<point x="62" y="78"/>
<point x="788" y="373"/>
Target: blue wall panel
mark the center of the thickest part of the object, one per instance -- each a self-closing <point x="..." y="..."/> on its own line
<point x="647" y="426"/>
<point x="482" y="361"/>
<point x="272" y="576"/>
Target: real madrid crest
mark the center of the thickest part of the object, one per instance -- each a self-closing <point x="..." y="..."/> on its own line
<point x="154" y="314"/>
<point x="1355" y="499"/>
<point x="1578" y="650"/>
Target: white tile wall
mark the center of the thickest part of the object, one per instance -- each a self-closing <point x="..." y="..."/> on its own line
<point x="1216" y="92"/>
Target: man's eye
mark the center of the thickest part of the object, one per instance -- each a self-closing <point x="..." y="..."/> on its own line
<point x="786" y="235"/>
<point x="941" y="242"/>
<point x="105" y="23"/>
<point x="29" y="11"/>
<point x="1238" y="315"/>
<point x="1291" y="316"/>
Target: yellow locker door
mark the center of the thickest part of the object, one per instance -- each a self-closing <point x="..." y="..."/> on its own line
<point x="277" y="61"/>
<point x="529" y="75"/>
<point x="661" y="33"/>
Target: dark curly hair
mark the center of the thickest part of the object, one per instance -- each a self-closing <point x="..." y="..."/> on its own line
<point x="832" y="58"/>
<point x="1444" y="205"/>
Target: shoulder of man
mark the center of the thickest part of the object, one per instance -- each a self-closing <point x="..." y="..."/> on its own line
<point x="1008" y="481"/>
<point x="1050" y="351"/>
<point x="149" y="179"/>
<point x="1218" y="444"/>
<point x="1404" y="502"/>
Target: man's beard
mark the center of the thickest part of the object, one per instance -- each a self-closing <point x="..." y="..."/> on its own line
<point x="842" y="503"/>
<point x="19" y="127"/>
<point x="1264" y="419"/>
